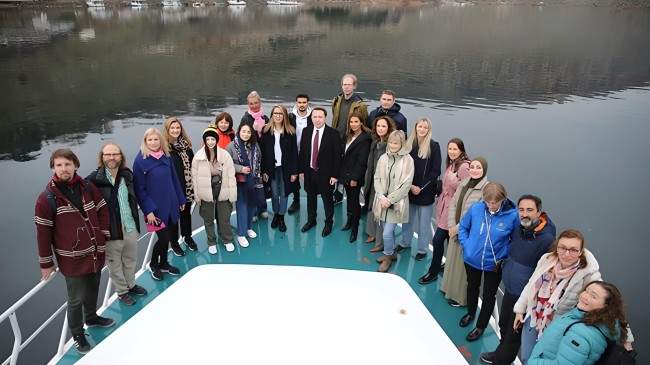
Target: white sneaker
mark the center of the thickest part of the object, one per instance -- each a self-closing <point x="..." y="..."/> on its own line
<point x="230" y="247"/>
<point x="254" y="218"/>
<point x="251" y="233"/>
<point x="264" y="215"/>
<point x="243" y="242"/>
<point x="212" y="249"/>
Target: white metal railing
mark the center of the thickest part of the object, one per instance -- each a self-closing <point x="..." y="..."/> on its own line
<point x="10" y="313"/>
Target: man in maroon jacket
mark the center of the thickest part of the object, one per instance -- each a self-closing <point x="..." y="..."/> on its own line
<point x="72" y="223"/>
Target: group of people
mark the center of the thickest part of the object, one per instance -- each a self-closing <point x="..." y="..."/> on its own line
<point x="366" y="156"/>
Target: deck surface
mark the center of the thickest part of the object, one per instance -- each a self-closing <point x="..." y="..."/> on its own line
<point x="272" y="247"/>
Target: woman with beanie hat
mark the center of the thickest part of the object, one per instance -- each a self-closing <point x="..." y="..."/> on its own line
<point x="469" y="191"/>
<point x="211" y="167"/>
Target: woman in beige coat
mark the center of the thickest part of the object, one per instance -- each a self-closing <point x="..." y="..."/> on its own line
<point x="469" y="191"/>
<point x="211" y="161"/>
<point x="393" y="179"/>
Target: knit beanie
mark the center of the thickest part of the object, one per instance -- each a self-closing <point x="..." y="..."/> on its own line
<point x="211" y="131"/>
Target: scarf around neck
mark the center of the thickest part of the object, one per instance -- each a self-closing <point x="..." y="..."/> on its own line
<point x="258" y="120"/>
<point x="156" y="154"/>
<point x="549" y="288"/>
<point x="181" y="146"/>
<point x="254" y="179"/>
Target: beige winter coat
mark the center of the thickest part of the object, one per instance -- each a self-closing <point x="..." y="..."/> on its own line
<point x="202" y="179"/>
<point x="393" y="178"/>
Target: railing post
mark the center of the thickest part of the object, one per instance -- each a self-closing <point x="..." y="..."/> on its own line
<point x="147" y="255"/>
<point x="17" y="338"/>
<point x="64" y="334"/>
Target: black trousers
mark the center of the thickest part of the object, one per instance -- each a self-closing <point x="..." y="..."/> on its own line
<point x="506" y="352"/>
<point x="159" y="254"/>
<point x="491" y="282"/>
<point x="185" y="222"/>
<point x="325" y="194"/>
<point x="82" y="300"/>
<point x="354" y="209"/>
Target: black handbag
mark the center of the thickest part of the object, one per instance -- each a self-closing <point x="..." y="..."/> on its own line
<point x="438" y="187"/>
<point x="216" y="187"/>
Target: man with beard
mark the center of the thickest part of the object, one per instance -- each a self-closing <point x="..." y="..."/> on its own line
<point x="300" y="118"/>
<point x="72" y="224"/>
<point x="389" y="107"/>
<point x="115" y="181"/>
<point x="532" y="240"/>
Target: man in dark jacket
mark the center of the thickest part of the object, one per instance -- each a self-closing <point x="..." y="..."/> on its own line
<point x="389" y="107"/>
<point x="115" y="182"/>
<point x="320" y="161"/>
<point x="72" y="224"/>
<point x="532" y="240"/>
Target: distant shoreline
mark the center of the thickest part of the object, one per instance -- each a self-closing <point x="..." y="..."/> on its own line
<point x="405" y="3"/>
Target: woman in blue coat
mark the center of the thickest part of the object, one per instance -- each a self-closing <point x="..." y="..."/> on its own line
<point x="484" y="234"/>
<point x="280" y="162"/>
<point x="160" y="196"/>
<point x="581" y="335"/>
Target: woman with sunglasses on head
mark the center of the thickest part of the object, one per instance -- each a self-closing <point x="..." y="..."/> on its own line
<point x="279" y="162"/>
<point x="181" y="154"/>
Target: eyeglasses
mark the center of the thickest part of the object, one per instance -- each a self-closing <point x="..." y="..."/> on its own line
<point x="109" y="155"/>
<point x="278" y="113"/>
<point x="571" y="251"/>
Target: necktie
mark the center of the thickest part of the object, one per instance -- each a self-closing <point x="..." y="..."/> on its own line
<point x="314" y="152"/>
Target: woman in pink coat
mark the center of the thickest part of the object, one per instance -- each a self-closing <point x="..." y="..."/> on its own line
<point x="457" y="170"/>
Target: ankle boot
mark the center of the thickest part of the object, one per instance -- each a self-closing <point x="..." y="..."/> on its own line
<point x="276" y="221"/>
<point x="353" y="234"/>
<point x="283" y="226"/>
<point x="347" y="225"/>
<point x="387" y="262"/>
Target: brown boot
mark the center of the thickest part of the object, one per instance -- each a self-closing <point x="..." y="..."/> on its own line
<point x="387" y="262"/>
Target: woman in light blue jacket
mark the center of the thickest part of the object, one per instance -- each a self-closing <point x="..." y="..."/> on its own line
<point x="484" y="233"/>
<point x="581" y="335"/>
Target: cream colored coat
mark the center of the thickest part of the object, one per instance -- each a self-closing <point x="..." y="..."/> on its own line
<point x="202" y="179"/>
<point x="395" y="187"/>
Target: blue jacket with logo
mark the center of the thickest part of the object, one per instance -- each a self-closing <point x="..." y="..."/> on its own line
<point x="485" y="237"/>
<point x="526" y="248"/>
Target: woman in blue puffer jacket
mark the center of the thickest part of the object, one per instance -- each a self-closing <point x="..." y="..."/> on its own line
<point x="484" y="233"/>
<point x="580" y="336"/>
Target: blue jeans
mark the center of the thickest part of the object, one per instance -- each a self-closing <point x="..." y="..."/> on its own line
<point x="389" y="237"/>
<point x="245" y="205"/>
<point x="528" y="341"/>
<point x="279" y="198"/>
<point x="424" y="213"/>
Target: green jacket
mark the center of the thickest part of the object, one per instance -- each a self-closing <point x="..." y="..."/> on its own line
<point x="357" y="104"/>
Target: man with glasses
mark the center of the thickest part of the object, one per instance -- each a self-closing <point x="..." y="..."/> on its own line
<point x="72" y="223"/>
<point x="533" y="239"/>
<point x="115" y="181"/>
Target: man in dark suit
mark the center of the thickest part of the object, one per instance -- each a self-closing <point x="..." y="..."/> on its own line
<point x="319" y="161"/>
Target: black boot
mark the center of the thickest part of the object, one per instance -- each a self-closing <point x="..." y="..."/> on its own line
<point x="283" y="226"/>
<point x="353" y="234"/>
<point x="276" y="221"/>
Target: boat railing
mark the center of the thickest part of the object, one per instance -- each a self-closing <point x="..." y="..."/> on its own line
<point x="10" y="313"/>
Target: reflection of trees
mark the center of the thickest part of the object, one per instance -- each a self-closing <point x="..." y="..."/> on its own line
<point x="156" y="62"/>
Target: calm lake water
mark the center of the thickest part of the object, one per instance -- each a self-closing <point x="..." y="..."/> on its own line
<point x="556" y="98"/>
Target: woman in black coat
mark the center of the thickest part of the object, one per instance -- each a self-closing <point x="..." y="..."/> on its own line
<point x="181" y="154"/>
<point x="280" y="162"/>
<point x="356" y="149"/>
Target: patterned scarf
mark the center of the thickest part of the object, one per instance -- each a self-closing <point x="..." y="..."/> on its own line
<point x="181" y="146"/>
<point x="259" y="121"/>
<point x="549" y="288"/>
<point x="254" y="179"/>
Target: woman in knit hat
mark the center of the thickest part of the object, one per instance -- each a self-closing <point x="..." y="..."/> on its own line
<point x="215" y="188"/>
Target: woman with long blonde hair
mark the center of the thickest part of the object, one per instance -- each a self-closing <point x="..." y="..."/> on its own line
<point x="181" y="154"/>
<point x="280" y="162"/>
<point x="160" y="196"/>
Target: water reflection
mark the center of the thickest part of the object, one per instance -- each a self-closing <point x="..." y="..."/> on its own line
<point x="124" y="62"/>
